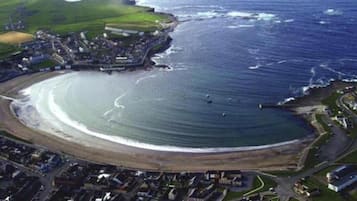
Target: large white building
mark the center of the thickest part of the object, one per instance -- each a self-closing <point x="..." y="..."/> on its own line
<point x="342" y="177"/>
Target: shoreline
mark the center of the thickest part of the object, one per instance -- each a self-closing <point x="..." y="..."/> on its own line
<point x="281" y="157"/>
<point x="286" y="153"/>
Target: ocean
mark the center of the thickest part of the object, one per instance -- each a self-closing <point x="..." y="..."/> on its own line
<point x="226" y="57"/>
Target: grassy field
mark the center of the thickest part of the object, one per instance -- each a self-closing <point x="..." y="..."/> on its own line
<point x="293" y="199"/>
<point x="350" y="158"/>
<point x="353" y="194"/>
<point x="319" y="119"/>
<point x="6" y="50"/>
<point x="44" y="64"/>
<point x="322" y="173"/>
<point x="88" y="15"/>
<point x="6" y="8"/>
<point x="331" y="103"/>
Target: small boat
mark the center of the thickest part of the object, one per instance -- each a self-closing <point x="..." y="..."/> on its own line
<point x="207" y="96"/>
<point x="224" y="114"/>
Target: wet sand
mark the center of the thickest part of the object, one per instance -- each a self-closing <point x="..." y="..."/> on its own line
<point x="102" y="151"/>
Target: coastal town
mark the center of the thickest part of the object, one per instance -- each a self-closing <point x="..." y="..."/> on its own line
<point x="326" y="169"/>
<point x="114" y="50"/>
<point x="113" y="47"/>
<point x="29" y="172"/>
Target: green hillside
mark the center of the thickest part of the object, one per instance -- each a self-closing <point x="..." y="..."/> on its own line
<point x="6" y="50"/>
<point x="86" y="15"/>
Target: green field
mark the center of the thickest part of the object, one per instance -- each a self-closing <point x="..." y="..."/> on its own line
<point x="86" y="15"/>
<point x="44" y="64"/>
<point x="6" y="50"/>
<point x="350" y="158"/>
<point x="293" y="199"/>
<point x="331" y="103"/>
<point x="319" y="119"/>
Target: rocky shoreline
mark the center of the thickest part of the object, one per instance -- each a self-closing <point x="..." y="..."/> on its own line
<point x="310" y="104"/>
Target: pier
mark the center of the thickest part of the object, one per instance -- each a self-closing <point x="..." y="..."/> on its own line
<point x="274" y="105"/>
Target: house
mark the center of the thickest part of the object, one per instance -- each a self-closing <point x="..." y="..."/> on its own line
<point x="232" y="182"/>
<point x="233" y="177"/>
<point x="58" y="58"/>
<point x="193" y="182"/>
<point x="344" y="122"/>
<point x="54" y="160"/>
<point x="37" y="155"/>
<point x="212" y="175"/>
<point x="172" y="194"/>
<point x="232" y="174"/>
<point x="144" y="190"/>
<point x="313" y="192"/>
<point x="302" y="189"/>
<point x="343" y="183"/>
<point x="120" y="31"/>
<point x="349" y="89"/>
<point x="340" y="172"/>
<point x="201" y="194"/>
<point x="38" y="59"/>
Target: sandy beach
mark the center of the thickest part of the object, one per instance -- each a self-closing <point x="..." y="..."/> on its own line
<point x="102" y="151"/>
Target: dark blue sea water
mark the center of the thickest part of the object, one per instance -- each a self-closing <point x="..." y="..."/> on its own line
<point x="239" y="53"/>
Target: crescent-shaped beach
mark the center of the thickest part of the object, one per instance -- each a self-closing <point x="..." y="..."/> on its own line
<point x="285" y="156"/>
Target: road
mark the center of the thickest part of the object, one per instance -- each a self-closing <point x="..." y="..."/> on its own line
<point x="47" y="181"/>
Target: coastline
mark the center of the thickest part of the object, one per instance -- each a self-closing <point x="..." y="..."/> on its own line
<point x="281" y="157"/>
<point x="285" y="155"/>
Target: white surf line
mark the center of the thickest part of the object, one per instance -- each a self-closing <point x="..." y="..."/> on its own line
<point x="7" y="98"/>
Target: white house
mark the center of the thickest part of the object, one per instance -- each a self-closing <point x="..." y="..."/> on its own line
<point x="173" y="194"/>
<point x="343" y="183"/>
<point x="342" y="177"/>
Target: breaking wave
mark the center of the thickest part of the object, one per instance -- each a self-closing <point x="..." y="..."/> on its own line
<point x="333" y="12"/>
<point x="240" y="26"/>
<point x="212" y="14"/>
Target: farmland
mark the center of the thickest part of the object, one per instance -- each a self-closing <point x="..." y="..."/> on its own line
<point x="15" y="38"/>
<point x="89" y="15"/>
<point x="6" y="50"/>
